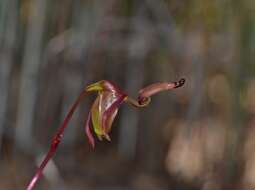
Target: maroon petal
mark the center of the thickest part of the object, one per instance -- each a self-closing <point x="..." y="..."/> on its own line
<point x="110" y="113"/>
<point x="88" y="132"/>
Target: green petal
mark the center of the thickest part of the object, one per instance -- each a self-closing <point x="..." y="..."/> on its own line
<point x="96" y="118"/>
<point x="98" y="86"/>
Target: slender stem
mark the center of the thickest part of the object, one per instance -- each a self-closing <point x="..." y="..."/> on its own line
<point x="55" y="142"/>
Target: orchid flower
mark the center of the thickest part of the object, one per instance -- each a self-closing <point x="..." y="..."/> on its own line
<point x="102" y="113"/>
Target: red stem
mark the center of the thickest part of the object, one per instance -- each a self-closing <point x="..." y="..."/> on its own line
<point x="55" y="142"/>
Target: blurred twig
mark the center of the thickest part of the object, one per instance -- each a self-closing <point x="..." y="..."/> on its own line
<point x="8" y="25"/>
<point x="30" y="68"/>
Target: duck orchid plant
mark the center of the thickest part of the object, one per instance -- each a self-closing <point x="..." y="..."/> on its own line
<point x="102" y="113"/>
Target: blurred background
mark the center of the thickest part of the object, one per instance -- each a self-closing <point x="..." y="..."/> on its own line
<point x="198" y="137"/>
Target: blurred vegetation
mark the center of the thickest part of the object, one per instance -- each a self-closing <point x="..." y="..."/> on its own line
<point x="198" y="137"/>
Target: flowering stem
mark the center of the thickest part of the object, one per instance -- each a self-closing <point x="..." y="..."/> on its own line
<point x="110" y="96"/>
<point x="55" y="142"/>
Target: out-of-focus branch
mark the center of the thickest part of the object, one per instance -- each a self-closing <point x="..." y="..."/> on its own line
<point x="8" y="27"/>
<point x="30" y="66"/>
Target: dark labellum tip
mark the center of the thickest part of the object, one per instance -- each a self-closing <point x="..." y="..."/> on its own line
<point x="179" y="83"/>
